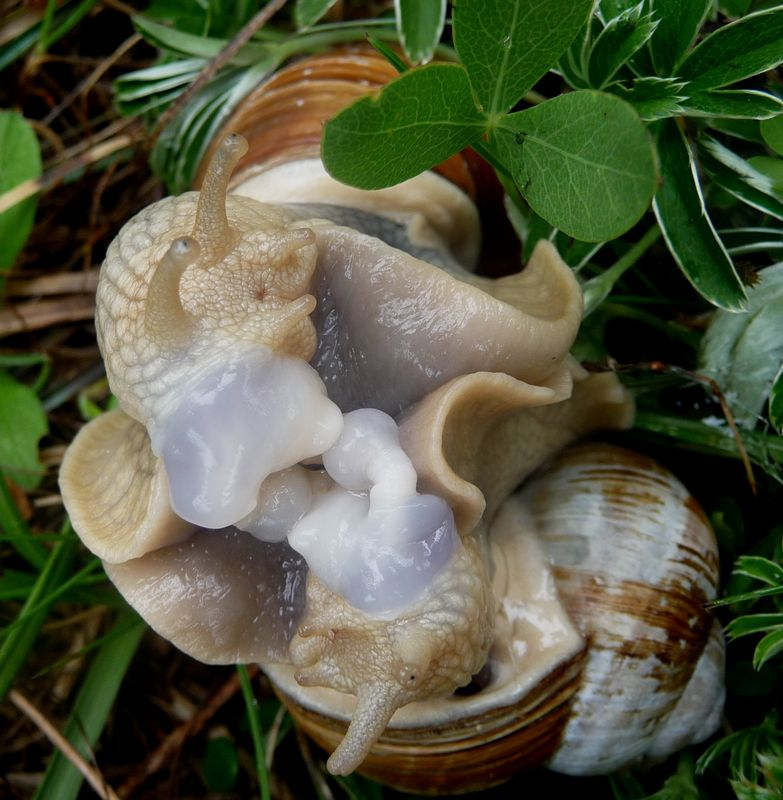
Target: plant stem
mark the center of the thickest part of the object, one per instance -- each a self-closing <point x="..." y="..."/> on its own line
<point x="17" y="531"/>
<point x="17" y="644"/>
<point x="255" y="731"/>
<point x="597" y="289"/>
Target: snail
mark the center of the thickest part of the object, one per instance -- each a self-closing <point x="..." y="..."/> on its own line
<point x="324" y="416"/>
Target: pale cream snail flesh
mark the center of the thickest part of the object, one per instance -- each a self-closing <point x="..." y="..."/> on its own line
<point x="318" y="434"/>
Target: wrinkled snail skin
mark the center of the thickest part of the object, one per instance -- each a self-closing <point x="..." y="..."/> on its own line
<point x="298" y="362"/>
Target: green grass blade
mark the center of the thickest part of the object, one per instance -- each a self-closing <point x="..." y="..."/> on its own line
<point x="46" y="600"/>
<point x="16" y="646"/>
<point x="251" y="705"/>
<point x="93" y="704"/>
<point x="16" y="531"/>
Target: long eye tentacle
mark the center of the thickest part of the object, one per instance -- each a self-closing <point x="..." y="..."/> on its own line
<point x="211" y="227"/>
<point x="165" y="319"/>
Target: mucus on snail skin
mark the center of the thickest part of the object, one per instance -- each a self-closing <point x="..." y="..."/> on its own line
<point x="368" y="535"/>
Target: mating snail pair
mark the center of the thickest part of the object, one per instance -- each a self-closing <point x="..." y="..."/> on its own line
<point x="325" y="420"/>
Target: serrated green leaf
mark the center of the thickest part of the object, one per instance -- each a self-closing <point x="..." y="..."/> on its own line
<point x="760" y="568"/>
<point x="417" y="121"/>
<point x="732" y="103"/>
<point x="22" y="424"/>
<point x="736" y="51"/>
<point x="192" y="45"/>
<point x="772" y="168"/>
<point x="507" y="45"/>
<point x="308" y="12"/>
<point x="679" y="207"/>
<point x="739" y="178"/>
<point x="420" y="25"/>
<point x="583" y="161"/>
<point x="776" y="401"/>
<point x="753" y="623"/>
<point x="613" y="8"/>
<point x="653" y="98"/>
<point x="20" y="161"/>
<point x="617" y="42"/>
<point x="772" y="131"/>
<point x="679" y="23"/>
<point x="742" y="352"/>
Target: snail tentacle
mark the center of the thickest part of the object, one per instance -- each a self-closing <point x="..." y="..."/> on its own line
<point x="375" y="706"/>
<point x="211" y="226"/>
<point x="165" y="319"/>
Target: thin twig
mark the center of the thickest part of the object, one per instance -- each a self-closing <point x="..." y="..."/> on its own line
<point x="57" y="283"/>
<point x="35" y="315"/>
<point x="316" y="775"/>
<point x="660" y="366"/>
<point x="84" y="86"/>
<point x="220" y="60"/>
<point x="274" y="735"/>
<point x="91" y="775"/>
<point x="54" y="176"/>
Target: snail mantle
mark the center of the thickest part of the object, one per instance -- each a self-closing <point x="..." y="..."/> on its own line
<point x="324" y="420"/>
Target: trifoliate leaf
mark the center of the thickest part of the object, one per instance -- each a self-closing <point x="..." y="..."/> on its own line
<point x="507" y="45"/>
<point x="583" y="161"/>
<point x="415" y="122"/>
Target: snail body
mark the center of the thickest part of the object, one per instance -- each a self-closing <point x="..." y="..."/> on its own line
<point x="604" y="651"/>
<point x="324" y="415"/>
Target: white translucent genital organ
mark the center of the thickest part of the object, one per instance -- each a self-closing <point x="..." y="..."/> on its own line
<point x="367" y="533"/>
<point x="238" y="425"/>
<point x="372" y="538"/>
